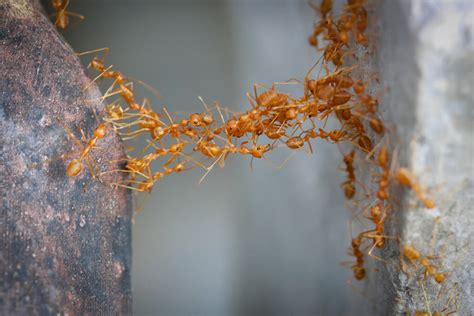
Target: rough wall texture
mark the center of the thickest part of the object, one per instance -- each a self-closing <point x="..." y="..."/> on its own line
<point x="425" y="56"/>
<point x="65" y="242"/>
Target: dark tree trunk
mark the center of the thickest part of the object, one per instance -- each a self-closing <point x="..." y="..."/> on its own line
<point x="65" y="242"/>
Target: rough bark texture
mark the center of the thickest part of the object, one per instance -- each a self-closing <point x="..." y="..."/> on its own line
<point x="65" y="242"/>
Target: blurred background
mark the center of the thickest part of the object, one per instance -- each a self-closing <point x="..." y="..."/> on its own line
<point x="261" y="241"/>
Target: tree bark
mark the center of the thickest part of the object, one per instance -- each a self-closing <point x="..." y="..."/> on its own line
<point x="65" y="241"/>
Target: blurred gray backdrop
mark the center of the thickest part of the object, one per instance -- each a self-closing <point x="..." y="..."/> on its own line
<point x="244" y="242"/>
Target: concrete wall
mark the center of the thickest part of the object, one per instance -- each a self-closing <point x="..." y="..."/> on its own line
<point x="425" y="57"/>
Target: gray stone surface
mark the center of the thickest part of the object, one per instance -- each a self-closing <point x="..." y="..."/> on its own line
<point x="425" y="56"/>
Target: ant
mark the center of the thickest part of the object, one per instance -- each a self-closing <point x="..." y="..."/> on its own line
<point x="335" y="135"/>
<point x="349" y="184"/>
<point x="256" y="151"/>
<point x="271" y="99"/>
<point x="295" y="142"/>
<point x="384" y="181"/>
<point x="405" y="178"/>
<point x="62" y="15"/>
<point x="75" y="166"/>
<point x="125" y="91"/>
<point x="377" y="215"/>
<point x="414" y="255"/>
<point x="358" y="268"/>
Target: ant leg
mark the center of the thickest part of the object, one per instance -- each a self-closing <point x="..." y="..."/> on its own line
<point x="452" y="297"/>
<point x="211" y="167"/>
<point x="79" y="17"/>
<point x="125" y="171"/>
<point x="206" y="107"/>
<point x="170" y="160"/>
<point x="131" y="135"/>
<point x="126" y="187"/>
<point x="150" y="88"/>
<point x="140" y="208"/>
<point x="193" y="160"/>
<point x="168" y="115"/>
<point x="434" y="235"/>
<point x="83" y="135"/>
<point x="97" y="78"/>
<point x="73" y="138"/>
<point x="313" y="67"/>
<point x="425" y="296"/>
<point x="255" y="85"/>
<point x="89" y="166"/>
<point x="109" y="93"/>
<point x="103" y="49"/>
<point x="374" y="256"/>
<point x="372" y="152"/>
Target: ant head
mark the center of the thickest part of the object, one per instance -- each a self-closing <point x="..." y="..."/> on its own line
<point x="177" y="147"/>
<point x="179" y="167"/>
<point x="258" y="151"/>
<point x="232" y="127"/>
<point x="195" y="119"/>
<point x="440" y="277"/>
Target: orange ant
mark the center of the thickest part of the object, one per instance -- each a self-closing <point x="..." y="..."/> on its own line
<point x="414" y="256"/>
<point x="335" y="135"/>
<point x="271" y="98"/>
<point x="256" y="151"/>
<point x="325" y="7"/>
<point x="358" y="268"/>
<point x="295" y="142"/>
<point x="376" y="125"/>
<point x="405" y="178"/>
<point x="349" y="184"/>
<point x="384" y="181"/>
<point x="62" y="15"/>
<point x="377" y="215"/>
<point x="370" y="102"/>
<point x="208" y="149"/>
<point x="365" y="143"/>
<point x="75" y="166"/>
<point x="125" y="91"/>
<point x="147" y="185"/>
<point x="359" y="87"/>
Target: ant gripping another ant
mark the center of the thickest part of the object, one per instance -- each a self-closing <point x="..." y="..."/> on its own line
<point x="276" y="116"/>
